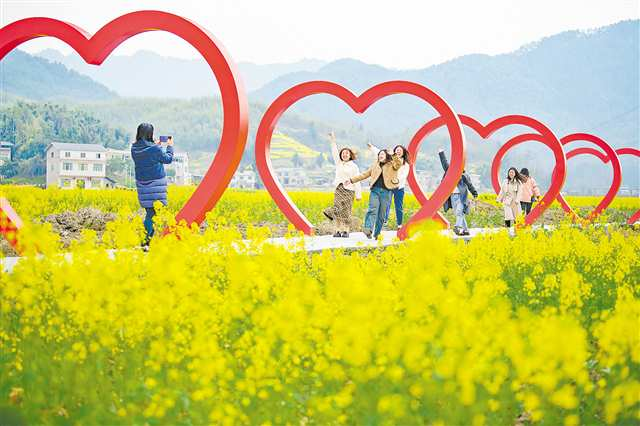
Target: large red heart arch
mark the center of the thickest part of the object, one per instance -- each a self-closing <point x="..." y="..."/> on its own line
<point x="358" y="104"/>
<point x="95" y="49"/>
<point x="610" y="155"/>
<point x="546" y="136"/>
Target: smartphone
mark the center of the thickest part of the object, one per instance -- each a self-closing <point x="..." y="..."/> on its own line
<point x="164" y="138"/>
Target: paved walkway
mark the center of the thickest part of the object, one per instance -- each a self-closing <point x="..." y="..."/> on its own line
<point x="356" y="240"/>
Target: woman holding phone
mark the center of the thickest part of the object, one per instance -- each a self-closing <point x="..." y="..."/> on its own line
<point x="151" y="180"/>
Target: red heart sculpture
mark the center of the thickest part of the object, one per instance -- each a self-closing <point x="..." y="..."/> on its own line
<point x="617" y="173"/>
<point x="10" y="224"/>
<point x="636" y="152"/>
<point x="610" y="155"/>
<point x="358" y="104"/>
<point x="546" y="136"/>
<point x="95" y="49"/>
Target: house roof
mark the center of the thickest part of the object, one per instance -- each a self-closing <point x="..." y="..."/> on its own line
<point x="88" y="147"/>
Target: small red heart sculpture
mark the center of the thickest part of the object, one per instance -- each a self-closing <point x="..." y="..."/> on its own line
<point x="635" y="152"/>
<point x="485" y="131"/>
<point x="95" y="49"/>
<point x="617" y="173"/>
<point x="610" y="155"/>
<point x="358" y="104"/>
<point x="10" y="224"/>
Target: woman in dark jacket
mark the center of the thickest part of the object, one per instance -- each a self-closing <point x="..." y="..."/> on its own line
<point x="151" y="180"/>
<point x="459" y="199"/>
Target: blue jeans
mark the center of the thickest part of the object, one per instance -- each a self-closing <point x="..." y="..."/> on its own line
<point x="148" y="224"/>
<point x="398" y="200"/>
<point x="458" y="210"/>
<point x="379" y="202"/>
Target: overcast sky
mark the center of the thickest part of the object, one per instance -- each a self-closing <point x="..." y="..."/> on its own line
<point x="396" y="34"/>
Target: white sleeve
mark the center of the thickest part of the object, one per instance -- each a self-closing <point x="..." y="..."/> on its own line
<point x="357" y="186"/>
<point x="403" y="173"/>
<point x="334" y="152"/>
<point x="374" y="150"/>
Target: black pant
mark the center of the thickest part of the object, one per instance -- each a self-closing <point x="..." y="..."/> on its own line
<point x="526" y="207"/>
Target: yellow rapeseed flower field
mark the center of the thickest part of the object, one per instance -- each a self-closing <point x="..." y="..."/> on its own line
<point x="543" y="327"/>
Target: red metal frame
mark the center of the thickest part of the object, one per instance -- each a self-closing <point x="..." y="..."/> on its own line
<point x="10" y="224"/>
<point x="609" y="152"/>
<point x="635" y="152"/>
<point x="95" y="49"/>
<point x="359" y="104"/>
<point x="546" y="136"/>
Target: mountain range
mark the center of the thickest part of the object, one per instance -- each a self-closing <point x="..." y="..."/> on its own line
<point x="31" y="77"/>
<point x="145" y="73"/>
<point x="575" y="81"/>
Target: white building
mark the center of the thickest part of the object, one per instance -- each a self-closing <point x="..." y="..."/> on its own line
<point x="178" y="170"/>
<point x="120" y="154"/>
<point x="71" y="165"/>
<point x="244" y="179"/>
<point x="5" y="151"/>
<point x="293" y="177"/>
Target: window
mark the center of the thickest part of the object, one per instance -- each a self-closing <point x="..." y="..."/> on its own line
<point x="67" y="166"/>
<point x="98" y="155"/>
<point x="97" y="167"/>
<point x="83" y="155"/>
<point x="84" y="167"/>
<point x="67" y="154"/>
<point x="51" y="154"/>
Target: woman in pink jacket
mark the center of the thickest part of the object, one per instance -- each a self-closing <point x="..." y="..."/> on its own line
<point x="529" y="192"/>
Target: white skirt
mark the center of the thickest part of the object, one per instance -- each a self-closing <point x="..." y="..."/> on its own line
<point x="508" y="213"/>
<point x="511" y="210"/>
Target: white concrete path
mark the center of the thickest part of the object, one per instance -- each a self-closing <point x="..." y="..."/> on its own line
<point x="355" y="241"/>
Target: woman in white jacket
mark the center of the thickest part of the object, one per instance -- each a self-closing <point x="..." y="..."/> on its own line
<point x="509" y="196"/>
<point x="403" y="174"/>
<point x="344" y="194"/>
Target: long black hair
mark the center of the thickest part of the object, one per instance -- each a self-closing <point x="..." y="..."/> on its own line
<point x="517" y="176"/>
<point x="405" y="154"/>
<point x="145" y="132"/>
<point x="387" y="156"/>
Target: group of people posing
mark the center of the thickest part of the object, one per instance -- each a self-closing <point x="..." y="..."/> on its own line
<point x="387" y="179"/>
